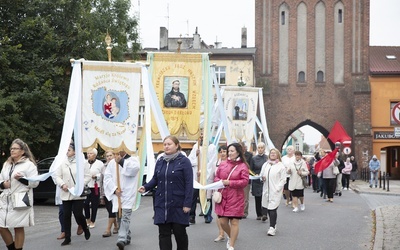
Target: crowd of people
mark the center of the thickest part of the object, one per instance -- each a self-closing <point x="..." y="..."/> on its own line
<point x="269" y="177"/>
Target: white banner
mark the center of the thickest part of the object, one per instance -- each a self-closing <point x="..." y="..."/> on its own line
<point x="240" y="105"/>
<point x="110" y="105"/>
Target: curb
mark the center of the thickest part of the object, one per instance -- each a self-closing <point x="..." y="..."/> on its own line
<point x="378" y="242"/>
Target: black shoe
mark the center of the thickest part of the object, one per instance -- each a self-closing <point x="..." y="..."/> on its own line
<point x="264" y="218"/>
<point x="128" y="242"/>
<point x="67" y="241"/>
<point x="120" y="245"/>
<point x="192" y="221"/>
<point x="324" y="196"/>
<point x="320" y="195"/>
<point x="87" y="233"/>
<point x="201" y="214"/>
<point x="340" y="193"/>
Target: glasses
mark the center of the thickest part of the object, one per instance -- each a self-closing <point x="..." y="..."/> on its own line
<point x="11" y="149"/>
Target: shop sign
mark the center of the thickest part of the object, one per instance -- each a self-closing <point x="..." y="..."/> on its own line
<point x="385" y="135"/>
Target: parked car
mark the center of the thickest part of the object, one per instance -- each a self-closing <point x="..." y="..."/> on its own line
<point x="46" y="189"/>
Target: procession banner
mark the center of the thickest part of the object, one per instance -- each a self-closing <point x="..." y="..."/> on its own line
<point x="177" y="79"/>
<point x="240" y="105"/>
<point x="110" y="105"/>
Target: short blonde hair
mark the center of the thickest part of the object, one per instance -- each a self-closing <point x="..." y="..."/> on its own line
<point x="92" y="150"/>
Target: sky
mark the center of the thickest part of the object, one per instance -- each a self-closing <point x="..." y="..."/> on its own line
<point x="222" y="21"/>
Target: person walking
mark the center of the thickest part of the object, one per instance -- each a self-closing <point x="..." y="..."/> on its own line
<point x="329" y="178"/>
<point x="338" y="185"/>
<point x="353" y="175"/>
<point x="122" y="190"/>
<point x="174" y="196"/>
<point x="374" y="166"/>
<point x="298" y="170"/>
<point x="256" y="184"/>
<point x="234" y="174"/>
<point x="65" y="179"/>
<point x="274" y="176"/>
<point x="346" y="174"/>
<point x="248" y="157"/>
<point x="288" y="161"/>
<point x="223" y="155"/>
<point x="112" y="217"/>
<point x="20" y="164"/>
<point x="92" y="201"/>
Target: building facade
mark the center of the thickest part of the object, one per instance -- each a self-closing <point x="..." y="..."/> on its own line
<point x="312" y="62"/>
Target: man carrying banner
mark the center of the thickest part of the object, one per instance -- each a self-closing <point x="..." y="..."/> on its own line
<point x="125" y="191"/>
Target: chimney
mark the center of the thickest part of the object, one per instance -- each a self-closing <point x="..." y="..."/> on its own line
<point x="244" y="37"/>
<point x="196" y="40"/>
<point x="163" y="38"/>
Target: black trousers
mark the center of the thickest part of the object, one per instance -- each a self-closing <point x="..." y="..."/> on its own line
<point x="194" y="203"/>
<point x="76" y="207"/>
<point x="92" y="202"/>
<point x="330" y="185"/>
<point x="273" y="216"/>
<point x="109" y="207"/>
<point x="165" y="232"/>
<point x="314" y="182"/>
<point x="259" y="208"/>
<point x="345" y="180"/>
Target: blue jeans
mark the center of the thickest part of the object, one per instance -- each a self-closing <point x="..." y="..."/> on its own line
<point x="374" y="175"/>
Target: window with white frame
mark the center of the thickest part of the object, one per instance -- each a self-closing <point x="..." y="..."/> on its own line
<point x="220" y="73"/>
<point x="141" y="116"/>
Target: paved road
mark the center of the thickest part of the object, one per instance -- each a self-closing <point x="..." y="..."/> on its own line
<point x="344" y="224"/>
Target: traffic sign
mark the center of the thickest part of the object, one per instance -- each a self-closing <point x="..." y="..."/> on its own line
<point x="347" y="150"/>
<point x="396" y="113"/>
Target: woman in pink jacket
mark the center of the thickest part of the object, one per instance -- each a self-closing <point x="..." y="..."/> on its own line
<point x="234" y="173"/>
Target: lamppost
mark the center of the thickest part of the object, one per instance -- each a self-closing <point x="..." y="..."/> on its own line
<point x="108" y="42"/>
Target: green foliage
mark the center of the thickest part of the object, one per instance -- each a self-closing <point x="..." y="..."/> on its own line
<point x="37" y="40"/>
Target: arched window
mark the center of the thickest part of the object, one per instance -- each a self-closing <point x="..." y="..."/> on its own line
<point x="320" y="76"/>
<point x="302" y="77"/>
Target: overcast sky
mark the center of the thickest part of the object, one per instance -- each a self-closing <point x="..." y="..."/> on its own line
<point x="222" y="21"/>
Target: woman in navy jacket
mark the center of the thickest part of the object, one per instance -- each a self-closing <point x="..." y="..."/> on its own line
<point x="173" y="177"/>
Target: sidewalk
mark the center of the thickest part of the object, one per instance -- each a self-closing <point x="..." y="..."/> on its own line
<point x="387" y="233"/>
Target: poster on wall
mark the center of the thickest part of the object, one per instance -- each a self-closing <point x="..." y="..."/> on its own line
<point x="240" y="104"/>
<point x="110" y="105"/>
<point x="177" y="80"/>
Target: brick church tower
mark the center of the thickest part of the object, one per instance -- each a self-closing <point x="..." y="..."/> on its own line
<point x="312" y="62"/>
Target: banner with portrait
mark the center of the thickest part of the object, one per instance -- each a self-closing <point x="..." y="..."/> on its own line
<point x="240" y="105"/>
<point x="110" y="105"/>
<point x="177" y="79"/>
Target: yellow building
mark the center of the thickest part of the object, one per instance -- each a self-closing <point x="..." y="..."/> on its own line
<point x="385" y="107"/>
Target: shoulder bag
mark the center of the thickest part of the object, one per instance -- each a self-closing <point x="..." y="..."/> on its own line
<point x="86" y="190"/>
<point x="303" y="178"/>
<point x="217" y="195"/>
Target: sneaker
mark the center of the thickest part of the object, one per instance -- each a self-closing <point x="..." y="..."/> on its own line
<point x="92" y="225"/>
<point x="228" y="243"/>
<point x="271" y="231"/>
<point x="302" y="207"/>
<point x="231" y="248"/>
<point x="219" y="238"/>
<point x="120" y="245"/>
<point x="296" y="209"/>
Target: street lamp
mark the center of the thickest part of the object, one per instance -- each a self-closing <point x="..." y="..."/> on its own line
<point x="108" y="42"/>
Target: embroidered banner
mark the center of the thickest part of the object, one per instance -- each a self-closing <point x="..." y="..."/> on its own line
<point x="177" y="80"/>
<point x="240" y="105"/>
<point x="110" y="105"/>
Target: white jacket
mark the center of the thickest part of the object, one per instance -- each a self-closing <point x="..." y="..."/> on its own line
<point x="275" y="179"/>
<point x="63" y="176"/>
<point x="295" y="179"/>
<point x="129" y="177"/>
<point x="10" y="218"/>
<point x="96" y="169"/>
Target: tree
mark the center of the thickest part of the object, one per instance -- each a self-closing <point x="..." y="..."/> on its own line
<point x="37" y="40"/>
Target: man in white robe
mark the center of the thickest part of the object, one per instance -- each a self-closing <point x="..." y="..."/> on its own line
<point x="129" y="175"/>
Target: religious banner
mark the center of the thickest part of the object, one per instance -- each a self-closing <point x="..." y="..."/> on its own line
<point x="240" y="105"/>
<point x="110" y="105"/>
<point x="177" y="80"/>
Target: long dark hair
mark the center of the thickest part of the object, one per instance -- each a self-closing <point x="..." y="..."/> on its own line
<point x="240" y="151"/>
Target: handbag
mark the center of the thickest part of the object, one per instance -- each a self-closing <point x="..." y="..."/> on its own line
<point x="335" y="170"/>
<point x="86" y="190"/>
<point x="304" y="180"/>
<point x="217" y="196"/>
<point x="21" y="200"/>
